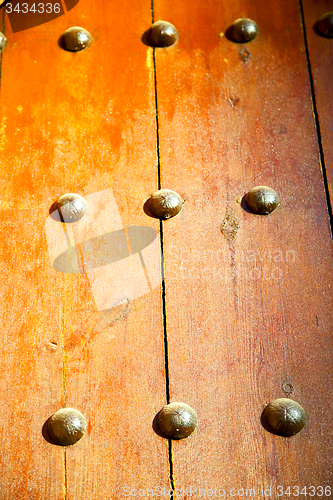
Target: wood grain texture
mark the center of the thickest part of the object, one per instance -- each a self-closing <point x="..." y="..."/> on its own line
<point x="249" y="318"/>
<point x="83" y="123"/>
<point x="248" y="298"/>
<point x="321" y="60"/>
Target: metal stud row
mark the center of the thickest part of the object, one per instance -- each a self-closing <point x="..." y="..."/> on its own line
<point x="165" y="34"/>
<point x="283" y="417"/>
<point x="164" y="204"/>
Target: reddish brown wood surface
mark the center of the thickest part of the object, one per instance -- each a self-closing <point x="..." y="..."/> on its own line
<point x="245" y="317"/>
<point x="248" y="298"/>
<point x="321" y="59"/>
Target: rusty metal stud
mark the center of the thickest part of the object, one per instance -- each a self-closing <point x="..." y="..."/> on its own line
<point x="324" y="25"/>
<point x="242" y="30"/>
<point x="177" y="420"/>
<point x="165" y="204"/>
<point x="69" y="208"/>
<point x="284" y="417"/>
<point x="162" y="34"/>
<point x="262" y="200"/>
<point x="67" y="426"/>
<point x="75" y="39"/>
<point x="3" y="41"/>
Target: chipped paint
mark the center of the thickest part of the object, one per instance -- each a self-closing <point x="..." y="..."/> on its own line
<point x="149" y="59"/>
<point x="2" y="133"/>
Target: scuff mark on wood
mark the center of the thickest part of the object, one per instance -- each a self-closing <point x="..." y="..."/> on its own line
<point x="112" y="316"/>
<point x="229" y="228"/>
<point x="230" y="225"/>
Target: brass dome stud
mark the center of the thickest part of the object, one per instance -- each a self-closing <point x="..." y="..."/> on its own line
<point x="71" y="207"/>
<point x="162" y="34"/>
<point x="284" y="417"/>
<point x="67" y="426"/>
<point x="324" y="25"/>
<point x="177" y="420"/>
<point x="3" y="41"/>
<point x="75" y="39"/>
<point x="165" y="204"/>
<point x="242" y="30"/>
<point x="262" y="200"/>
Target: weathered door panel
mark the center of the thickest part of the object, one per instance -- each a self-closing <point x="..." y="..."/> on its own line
<point x="83" y="123"/>
<point x="244" y="314"/>
<point x="248" y="297"/>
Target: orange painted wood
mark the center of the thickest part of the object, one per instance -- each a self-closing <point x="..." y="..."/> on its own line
<point x="83" y="123"/>
<point x="249" y="311"/>
<point x="248" y="298"/>
<point x="321" y="59"/>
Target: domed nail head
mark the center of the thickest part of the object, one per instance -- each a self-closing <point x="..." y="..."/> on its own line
<point x="165" y="204"/>
<point x="71" y="207"/>
<point x="242" y="30"/>
<point x="67" y="426"/>
<point x="3" y="41"/>
<point x="284" y="417"/>
<point x="162" y="34"/>
<point x="75" y="39"/>
<point x="177" y="420"/>
<point x="324" y="25"/>
<point x="262" y="200"/>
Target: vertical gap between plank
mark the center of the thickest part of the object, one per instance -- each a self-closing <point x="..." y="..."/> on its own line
<point x="172" y="479"/>
<point x="316" y="116"/>
<point x="65" y="473"/>
<point x="165" y="330"/>
<point x="166" y="353"/>
<point x="62" y="326"/>
<point x="159" y="185"/>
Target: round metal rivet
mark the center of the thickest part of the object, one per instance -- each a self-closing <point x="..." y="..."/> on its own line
<point x="324" y="25"/>
<point x="284" y="417"/>
<point x="67" y="426"/>
<point x="242" y="30"/>
<point x="75" y="39"/>
<point x="3" y="41"/>
<point x="71" y="207"/>
<point x="177" y="420"/>
<point x="165" y="204"/>
<point x="262" y="200"/>
<point x="162" y="34"/>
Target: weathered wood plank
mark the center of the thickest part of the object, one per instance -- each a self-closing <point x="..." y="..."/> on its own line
<point x="321" y="60"/>
<point x="31" y="357"/>
<point x="250" y="320"/>
<point x="85" y="123"/>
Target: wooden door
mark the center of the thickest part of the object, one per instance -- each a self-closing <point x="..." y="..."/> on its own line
<point x="217" y="307"/>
